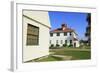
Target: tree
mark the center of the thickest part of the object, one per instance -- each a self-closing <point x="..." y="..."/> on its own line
<point x="88" y="29"/>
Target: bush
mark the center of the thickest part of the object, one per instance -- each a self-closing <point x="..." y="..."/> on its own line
<point x="57" y="45"/>
<point x="64" y="45"/>
<point x="70" y="45"/>
<point x="51" y="46"/>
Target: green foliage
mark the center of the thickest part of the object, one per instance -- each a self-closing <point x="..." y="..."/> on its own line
<point x="52" y="45"/>
<point x="64" y="45"/>
<point x="85" y="46"/>
<point x="70" y="45"/>
<point x="57" y="45"/>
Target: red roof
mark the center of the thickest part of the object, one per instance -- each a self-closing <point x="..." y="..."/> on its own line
<point x="64" y="28"/>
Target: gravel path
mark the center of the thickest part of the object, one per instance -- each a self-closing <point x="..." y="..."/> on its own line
<point x="63" y="57"/>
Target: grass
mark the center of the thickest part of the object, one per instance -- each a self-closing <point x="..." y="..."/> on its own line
<point x="75" y="53"/>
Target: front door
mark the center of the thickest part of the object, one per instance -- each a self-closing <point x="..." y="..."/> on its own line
<point x="74" y="44"/>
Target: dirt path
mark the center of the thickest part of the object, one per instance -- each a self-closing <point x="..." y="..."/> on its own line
<point x="63" y="57"/>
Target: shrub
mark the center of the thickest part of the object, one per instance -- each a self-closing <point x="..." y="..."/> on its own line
<point x="51" y="46"/>
<point x="70" y="45"/>
<point x="64" y="45"/>
<point x="57" y="45"/>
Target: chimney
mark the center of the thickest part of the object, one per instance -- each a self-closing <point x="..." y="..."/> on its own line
<point x="64" y="26"/>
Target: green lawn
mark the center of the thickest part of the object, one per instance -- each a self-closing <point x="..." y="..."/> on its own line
<point x="76" y="53"/>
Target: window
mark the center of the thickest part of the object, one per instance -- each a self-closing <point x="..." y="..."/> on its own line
<point x="65" y="33"/>
<point x="58" y="34"/>
<point x="70" y="42"/>
<point x="51" y="34"/>
<point x="65" y="41"/>
<point x="56" y="41"/>
<point x="50" y="41"/>
<point x="70" y="33"/>
<point x="61" y="41"/>
<point x="32" y="35"/>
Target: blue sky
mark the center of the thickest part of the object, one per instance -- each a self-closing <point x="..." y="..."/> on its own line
<point x="74" y="20"/>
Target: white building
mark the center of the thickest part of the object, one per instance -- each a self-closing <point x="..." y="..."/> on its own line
<point x="63" y="35"/>
<point x="35" y="26"/>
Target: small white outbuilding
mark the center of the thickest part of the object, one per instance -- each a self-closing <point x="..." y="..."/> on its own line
<point x="36" y="27"/>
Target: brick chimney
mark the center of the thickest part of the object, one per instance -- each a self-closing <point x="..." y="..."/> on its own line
<point x="64" y="26"/>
